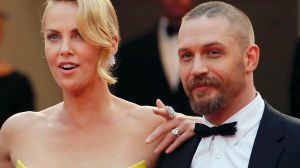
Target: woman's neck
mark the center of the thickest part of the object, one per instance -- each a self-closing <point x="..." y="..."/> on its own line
<point x="90" y="104"/>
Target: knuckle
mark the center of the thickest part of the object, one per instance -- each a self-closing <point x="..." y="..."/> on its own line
<point x="188" y="123"/>
<point x="180" y="118"/>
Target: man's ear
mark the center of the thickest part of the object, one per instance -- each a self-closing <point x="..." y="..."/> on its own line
<point x="251" y="58"/>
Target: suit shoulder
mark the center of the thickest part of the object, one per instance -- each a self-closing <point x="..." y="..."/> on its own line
<point x="292" y="124"/>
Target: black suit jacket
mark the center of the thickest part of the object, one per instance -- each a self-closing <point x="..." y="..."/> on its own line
<point x="277" y="144"/>
<point x="295" y="83"/>
<point x="141" y="78"/>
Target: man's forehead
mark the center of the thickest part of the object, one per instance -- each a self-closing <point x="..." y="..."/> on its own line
<point x="215" y="23"/>
<point x="204" y="25"/>
<point x="204" y="20"/>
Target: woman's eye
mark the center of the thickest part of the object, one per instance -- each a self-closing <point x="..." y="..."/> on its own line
<point x="78" y="35"/>
<point x="52" y="37"/>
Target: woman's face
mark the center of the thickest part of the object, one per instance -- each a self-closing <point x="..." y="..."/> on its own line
<point x="72" y="60"/>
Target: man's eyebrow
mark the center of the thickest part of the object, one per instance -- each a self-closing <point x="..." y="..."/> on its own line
<point x="213" y="44"/>
<point x="204" y="46"/>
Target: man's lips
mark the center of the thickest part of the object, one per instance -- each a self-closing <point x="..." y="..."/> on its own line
<point x="200" y="87"/>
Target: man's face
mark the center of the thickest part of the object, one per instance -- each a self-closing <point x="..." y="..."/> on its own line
<point x="211" y="62"/>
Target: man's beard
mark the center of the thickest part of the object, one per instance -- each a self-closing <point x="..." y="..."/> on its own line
<point x="205" y="106"/>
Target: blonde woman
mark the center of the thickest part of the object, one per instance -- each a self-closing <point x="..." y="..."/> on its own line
<point x="91" y="128"/>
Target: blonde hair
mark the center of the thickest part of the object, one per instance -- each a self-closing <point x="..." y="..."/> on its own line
<point x="98" y="24"/>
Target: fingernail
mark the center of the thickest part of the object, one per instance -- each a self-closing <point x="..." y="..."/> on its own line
<point x="147" y="140"/>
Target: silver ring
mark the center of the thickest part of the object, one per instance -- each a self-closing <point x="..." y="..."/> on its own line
<point x="176" y="132"/>
<point x="171" y="112"/>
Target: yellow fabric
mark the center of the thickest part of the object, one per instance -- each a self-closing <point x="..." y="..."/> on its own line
<point x="20" y="164"/>
<point x="141" y="164"/>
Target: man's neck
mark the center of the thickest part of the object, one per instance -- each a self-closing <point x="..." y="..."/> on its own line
<point x="231" y="107"/>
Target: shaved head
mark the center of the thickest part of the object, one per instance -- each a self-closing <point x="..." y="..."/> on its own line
<point x="241" y="24"/>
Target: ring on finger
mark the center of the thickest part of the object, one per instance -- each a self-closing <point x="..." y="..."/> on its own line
<point x="176" y="132"/>
<point x="171" y="112"/>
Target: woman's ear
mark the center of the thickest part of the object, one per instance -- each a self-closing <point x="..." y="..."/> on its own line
<point x="251" y="58"/>
<point x="115" y="44"/>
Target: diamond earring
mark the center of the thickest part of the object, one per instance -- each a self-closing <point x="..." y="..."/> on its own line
<point x="112" y="60"/>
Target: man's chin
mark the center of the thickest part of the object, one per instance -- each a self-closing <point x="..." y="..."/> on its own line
<point x="201" y="97"/>
<point x="206" y="105"/>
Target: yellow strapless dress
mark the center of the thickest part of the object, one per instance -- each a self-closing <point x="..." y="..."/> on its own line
<point x="19" y="164"/>
<point x="141" y="164"/>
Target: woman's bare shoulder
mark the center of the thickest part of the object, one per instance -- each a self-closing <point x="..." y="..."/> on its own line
<point x="141" y="113"/>
<point x="18" y="125"/>
<point x="19" y="120"/>
<point x="146" y="115"/>
<point x="26" y="120"/>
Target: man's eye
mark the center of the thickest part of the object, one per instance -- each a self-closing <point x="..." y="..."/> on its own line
<point x="185" y="56"/>
<point x="214" y="53"/>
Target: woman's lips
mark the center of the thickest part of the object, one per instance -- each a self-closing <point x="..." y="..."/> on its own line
<point x="68" y="67"/>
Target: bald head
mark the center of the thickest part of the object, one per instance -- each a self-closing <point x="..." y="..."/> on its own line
<point x="238" y="19"/>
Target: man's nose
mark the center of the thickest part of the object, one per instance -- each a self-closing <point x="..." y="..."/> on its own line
<point x="200" y="67"/>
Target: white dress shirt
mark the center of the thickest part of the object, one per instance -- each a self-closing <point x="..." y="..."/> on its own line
<point x="231" y="151"/>
<point x="168" y="54"/>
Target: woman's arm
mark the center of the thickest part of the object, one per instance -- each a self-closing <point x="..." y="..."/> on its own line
<point x="184" y="124"/>
<point x="5" y="161"/>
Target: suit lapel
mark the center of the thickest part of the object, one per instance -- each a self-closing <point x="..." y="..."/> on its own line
<point x="268" y="145"/>
<point x="183" y="156"/>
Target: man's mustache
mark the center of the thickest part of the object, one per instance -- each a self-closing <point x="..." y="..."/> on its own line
<point x="205" y="81"/>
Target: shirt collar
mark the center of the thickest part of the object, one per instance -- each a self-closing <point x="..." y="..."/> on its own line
<point x="245" y="118"/>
